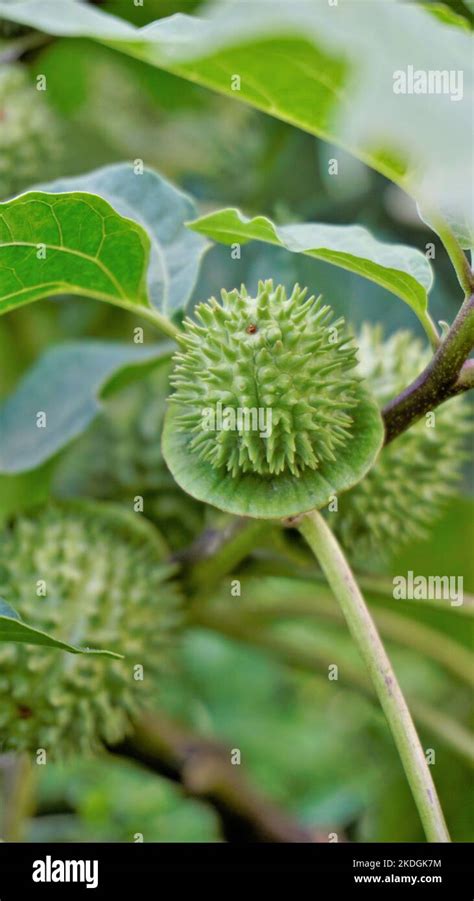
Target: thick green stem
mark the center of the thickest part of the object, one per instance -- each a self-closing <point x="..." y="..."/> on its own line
<point x="340" y="578"/>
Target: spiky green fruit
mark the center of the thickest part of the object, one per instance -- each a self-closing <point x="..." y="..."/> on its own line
<point x="405" y="491"/>
<point x="267" y="414"/>
<point x="93" y="575"/>
<point x="273" y="354"/>
<point x="29" y="134"/>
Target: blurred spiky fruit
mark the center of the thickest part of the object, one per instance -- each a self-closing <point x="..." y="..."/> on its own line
<point x="120" y="457"/>
<point x="285" y="355"/>
<point x="105" y="585"/>
<point x="405" y="491"/>
<point x="29" y="133"/>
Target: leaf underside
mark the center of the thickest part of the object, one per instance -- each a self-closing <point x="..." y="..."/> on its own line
<point x="65" y="385"/>
<point x="296" y="62"/>
<point x="161" y="209"/>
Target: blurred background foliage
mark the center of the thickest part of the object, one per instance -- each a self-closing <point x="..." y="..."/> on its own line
<point x="223" y="154"/>
<point x="318" y="748"/>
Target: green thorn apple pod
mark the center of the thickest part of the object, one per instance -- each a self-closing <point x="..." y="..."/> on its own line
<point x="89" y="573"/>
<point x="268" y="419"/>
<point x="414" y="475"/>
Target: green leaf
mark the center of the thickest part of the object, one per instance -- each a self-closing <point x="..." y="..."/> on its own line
<point x="74" y="243"/>
<point x="283" y="495"/>
<point x="461" y="226"/>
<point x="12" y="628"/>
<point x="447" y="15"/>
<point x="330" y="70"/>
<point x="402" y="270"/>
<point x="161" y="209"/>
<point x="66" y="385"/>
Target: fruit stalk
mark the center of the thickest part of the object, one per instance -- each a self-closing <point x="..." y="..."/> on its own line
<point x="363" y="630"/>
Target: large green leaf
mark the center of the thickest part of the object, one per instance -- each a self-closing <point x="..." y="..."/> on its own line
<point x="12" y="628"/>
<point x="65" y="384"/>
<point x="70" y="243"/>
<point x="128" y="246"/>
<point x="162" y="210"/>
<point x="330" y="70"/>
<point x="402" y="270"/>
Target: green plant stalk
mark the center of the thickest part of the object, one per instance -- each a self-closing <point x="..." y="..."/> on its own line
<point x="340" y="578"/>
<point x="430" y="329"/>
<point x="157" y="319"/>
<point x="242" y="539"/>
<point x="457" y="256"/>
